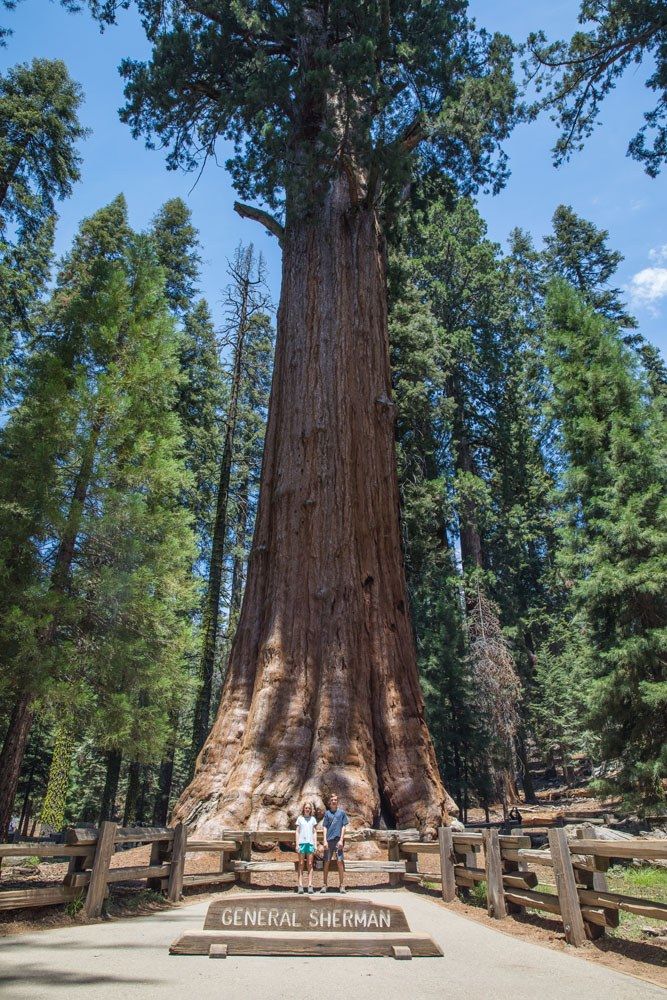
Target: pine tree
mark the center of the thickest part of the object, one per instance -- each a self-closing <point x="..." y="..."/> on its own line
<point x="200" y="405"/>
<point x="44" y="477"/>
<point x="614" y="492"/>
<point x="39" y="163"/>
<point x="577" y="251"/>
<point x="460" y="274"/>
<point x="423" y="426"/>
<point x="110" y="614"/>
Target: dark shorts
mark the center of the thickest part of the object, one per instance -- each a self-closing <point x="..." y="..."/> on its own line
<point x="331" y="853"/>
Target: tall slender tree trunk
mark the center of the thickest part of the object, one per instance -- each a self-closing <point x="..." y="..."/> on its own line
<point x="238" y="565"/>
<point x="166" y="774"/>
<point x="132" y="794"/>
<point x="20" y="723"/>
<point x="108" y="804"/>
<point x="322" y="691"/>
<point x="212" y="603"/>
<point x="11" y="758"/>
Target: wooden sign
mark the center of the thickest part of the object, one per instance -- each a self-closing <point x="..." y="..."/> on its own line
<point x="281" y="924"/>
<point x="303" y="913"/>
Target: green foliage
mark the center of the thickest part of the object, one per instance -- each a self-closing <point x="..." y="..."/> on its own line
<point x="274" y="78"/>
<point x="75" y="906"/>
<point x="577" y="251"/>
<point x="98" y="550"/>
<point x="39" y="164"/>
<point x="614" y="498"/>
<point x="578" y="75"/>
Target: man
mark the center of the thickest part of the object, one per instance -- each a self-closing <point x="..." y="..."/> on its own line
<point x="334" y="823"/>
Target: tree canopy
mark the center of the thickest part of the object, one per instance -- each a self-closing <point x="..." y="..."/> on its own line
<point x="579" y="74"/>
<point x="302" y="87"/>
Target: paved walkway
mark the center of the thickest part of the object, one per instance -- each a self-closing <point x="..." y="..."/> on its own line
<point x="129" y="959"/>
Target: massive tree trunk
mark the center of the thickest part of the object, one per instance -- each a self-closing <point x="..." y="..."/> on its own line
<point x="322" y="691"/>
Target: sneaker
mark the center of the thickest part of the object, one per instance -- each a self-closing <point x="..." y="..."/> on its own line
<point x="310" y="890"/>
<point x="323" y="890"/>
<point x="300" y="890"/>
<point x="343" y="890"/>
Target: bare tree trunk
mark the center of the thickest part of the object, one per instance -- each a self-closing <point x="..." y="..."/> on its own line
<point x="166" y="774"/>
<point x="238" y="566"/>
<point x="322" y="691"/>
<point x="132" y="794"/>
<point x="212" y="604"/>
<point x="12" y="754"/>
<point x="108" y="805"/>
<point x="526" y="777"/>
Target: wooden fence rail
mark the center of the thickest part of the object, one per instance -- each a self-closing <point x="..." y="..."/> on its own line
<point x="458" y="860"/>
<point x="582" y="898"/>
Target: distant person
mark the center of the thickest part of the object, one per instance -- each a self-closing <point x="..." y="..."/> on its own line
<point x="334" y="823"/>
<point x="306" y="843"/>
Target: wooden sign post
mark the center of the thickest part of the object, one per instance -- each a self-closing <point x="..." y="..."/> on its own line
<point x="294" y="925"/>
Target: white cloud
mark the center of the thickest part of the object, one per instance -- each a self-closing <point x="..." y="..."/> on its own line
<point x="658" y="254"/>
<point x="649" y="286"/>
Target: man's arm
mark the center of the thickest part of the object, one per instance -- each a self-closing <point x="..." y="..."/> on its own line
<point x="341" y="842"/>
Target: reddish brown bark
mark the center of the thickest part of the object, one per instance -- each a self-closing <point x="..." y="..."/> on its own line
<point x="322" y="690"/>
<point x="12" y="755"/>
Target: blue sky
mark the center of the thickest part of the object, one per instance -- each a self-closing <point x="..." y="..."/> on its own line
<point x="601" y="183"/>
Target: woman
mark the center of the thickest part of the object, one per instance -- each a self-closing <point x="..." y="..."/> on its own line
<point x="306" y="844"/>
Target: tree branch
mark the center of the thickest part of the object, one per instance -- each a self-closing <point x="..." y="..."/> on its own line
<point x="414" y="134"/>
<point x="264" y="218"/>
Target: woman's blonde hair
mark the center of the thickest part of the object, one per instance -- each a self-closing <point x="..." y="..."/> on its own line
<point x="303" y="808"/>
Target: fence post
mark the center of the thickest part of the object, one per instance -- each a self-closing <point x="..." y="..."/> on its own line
<point x="160" y="853"/>
<point x="394" y="854"/>
<point x="570" y="909"/>
<point x="595" y="879"/>
<point x="98" y="877"/>
<point x="178" y="852"/>
<point x="495" y="892"/>
<point x="448" y="879"/>
<point x="246" y="855"/>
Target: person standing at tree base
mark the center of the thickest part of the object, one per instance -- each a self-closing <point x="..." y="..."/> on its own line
<point x="306" y="844"/>
<point x="334" y="823"/>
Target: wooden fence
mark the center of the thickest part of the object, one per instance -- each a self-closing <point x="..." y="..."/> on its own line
<point x="456" y="861"/>
<point x="507" y="865"/>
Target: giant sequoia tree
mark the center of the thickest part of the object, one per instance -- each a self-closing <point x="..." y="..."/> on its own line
<point x="330" y="105"/>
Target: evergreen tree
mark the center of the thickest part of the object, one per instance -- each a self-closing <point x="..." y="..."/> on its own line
<point x="423" y="427"/>
<point x="578" y="75"/>
<point x="577" y="251"/>
<point x="200" y="406"/>
<point x="105" y="614"/>
<point x="39" y="163"/>
<point x="614" y="492"/>
<point x="177" y="247"/>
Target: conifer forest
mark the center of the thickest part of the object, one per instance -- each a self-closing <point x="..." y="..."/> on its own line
<point x="400" y="529"/>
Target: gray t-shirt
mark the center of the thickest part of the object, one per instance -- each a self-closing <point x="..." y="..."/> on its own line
<point x="333" y="823"/>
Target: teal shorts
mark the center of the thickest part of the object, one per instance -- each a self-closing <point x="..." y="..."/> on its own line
<point x="306" y="849"/>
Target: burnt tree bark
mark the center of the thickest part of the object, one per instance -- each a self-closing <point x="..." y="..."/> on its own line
<point x="322" y="691"/>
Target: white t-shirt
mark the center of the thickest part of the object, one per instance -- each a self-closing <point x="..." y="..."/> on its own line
<point x="305" y="830"/>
